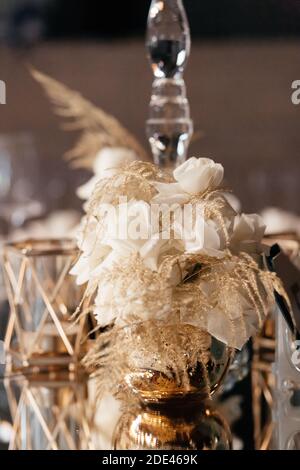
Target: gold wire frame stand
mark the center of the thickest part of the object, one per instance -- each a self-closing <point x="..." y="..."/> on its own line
<point x="263" y="382"/>
<point x="54" y="295"/>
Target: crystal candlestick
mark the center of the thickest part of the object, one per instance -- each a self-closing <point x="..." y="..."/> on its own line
<point x="169" y="127"/>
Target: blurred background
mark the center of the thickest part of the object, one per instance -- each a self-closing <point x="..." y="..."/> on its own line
<point x="245" y="56"/>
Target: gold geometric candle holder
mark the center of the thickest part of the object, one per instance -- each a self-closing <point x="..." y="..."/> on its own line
<point x="42" y="296"/>
<point x="263" y="382"/>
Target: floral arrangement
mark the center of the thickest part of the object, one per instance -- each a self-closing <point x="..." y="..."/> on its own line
<point x="164" y="254"/>
<point x="168" y="261"/>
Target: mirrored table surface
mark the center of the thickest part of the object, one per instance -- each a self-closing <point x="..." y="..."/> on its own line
<point x="60" y="410"/>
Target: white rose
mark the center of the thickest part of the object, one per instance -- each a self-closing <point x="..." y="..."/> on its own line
<point x="205" y="240"/>
<point x="197" y="234"/>
<point x="248" y="230"/>
<point x="196" y="175"/>
<point x="106" y="164"/>
<point x="131" y="231"/>
<point x="130" y="296"/>
<point x="233" y="202"/>
<point x="234" y="329"/>
<point x="233" y="318"/>
<point x="119" y="232"/>
<point x="94" y="252"/>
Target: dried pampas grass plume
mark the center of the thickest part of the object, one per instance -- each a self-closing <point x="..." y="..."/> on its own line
<point x="134" y="181"/>
<point x="98" y="128"/>
<point x="174" y="351"/>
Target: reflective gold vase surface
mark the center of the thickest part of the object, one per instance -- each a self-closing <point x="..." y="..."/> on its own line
<point x="181" y="425"/>
<point x="191" y="362"/>
<point x="169" y="407"/>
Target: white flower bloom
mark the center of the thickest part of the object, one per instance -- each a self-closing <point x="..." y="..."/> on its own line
<point x="106" y="164"/>
<point x="85" y="191"/>
<point x="133" y="232"/>
<point x="197" y="234"/>
<point x="234" y="331"/>
<point x="133" y="262"/>
<point x="118" y="300"/>
<point x="205" y="240"/>
<point x="196" y="175"/>
<point x="248" y="230"/>
<point x="233" y="320"/>
<point x="93" y="251"/>
<point x="233" y="201"/>
<point x="124" y="231"/>
<point x="170" y="193"/>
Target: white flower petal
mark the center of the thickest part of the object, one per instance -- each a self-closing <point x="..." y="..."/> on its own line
<point x="196" y="175"/>
<point x="86" y="190"/>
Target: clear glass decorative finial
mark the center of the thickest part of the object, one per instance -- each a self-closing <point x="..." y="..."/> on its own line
<point x="169" y="127"/>
<point x="168" y="38"/>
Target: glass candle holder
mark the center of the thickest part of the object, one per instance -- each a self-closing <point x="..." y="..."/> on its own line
<point x="43" y="297"/>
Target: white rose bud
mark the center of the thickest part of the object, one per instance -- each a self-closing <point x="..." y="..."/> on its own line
<point x="196" y="175"/>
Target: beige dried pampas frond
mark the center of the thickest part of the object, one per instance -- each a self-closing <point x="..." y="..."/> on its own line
<point x="98" y="128"/>
<point x="133" y="180"/>
<point x="173" y="350"/>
